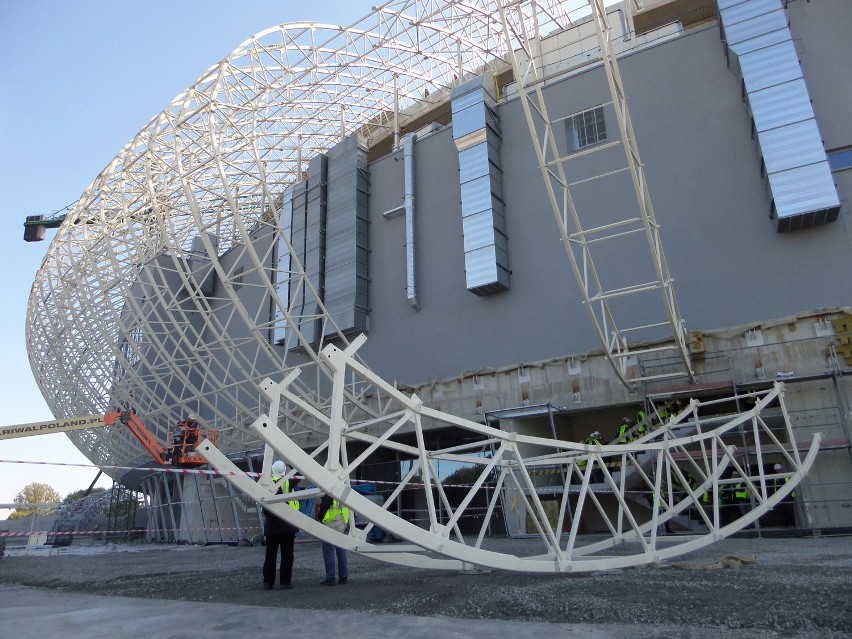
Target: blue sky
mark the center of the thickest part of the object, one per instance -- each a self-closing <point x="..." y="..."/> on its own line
<point x="77" y="82"/>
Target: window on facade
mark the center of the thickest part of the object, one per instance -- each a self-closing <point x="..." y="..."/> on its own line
<point x="840" y="159"/>
<point x="586" y="128"/>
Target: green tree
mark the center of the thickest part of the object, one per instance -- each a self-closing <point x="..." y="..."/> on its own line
<point x="464" y="475"/>
<point x="34" y="493"/>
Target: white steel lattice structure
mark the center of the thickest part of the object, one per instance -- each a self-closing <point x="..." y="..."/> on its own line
<point x="121" y="314"/>
<point x="117" y="315"/>
<point x="669" y="469"/>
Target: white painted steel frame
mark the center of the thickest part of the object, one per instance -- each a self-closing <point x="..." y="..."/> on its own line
<point x="652" y="471"/>
<point x="119" y="315"/>
<point x="526" y="22"/>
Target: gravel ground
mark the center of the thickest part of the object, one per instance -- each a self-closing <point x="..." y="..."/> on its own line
<point x="799" y="587"/>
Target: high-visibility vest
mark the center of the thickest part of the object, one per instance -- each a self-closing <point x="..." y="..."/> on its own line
<point x="776" y="487"/>
<point x="286" y="489"/>
<point x="622" y="433"/>
<point x="334" y="511"/>
<point x="592" y="442"/>
<point x="741" y="492"/>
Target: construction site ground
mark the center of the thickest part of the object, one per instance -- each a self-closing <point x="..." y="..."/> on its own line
<point x="797" y="587"/>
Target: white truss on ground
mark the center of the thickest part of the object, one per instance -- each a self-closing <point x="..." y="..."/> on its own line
<point x="638" y="487"/>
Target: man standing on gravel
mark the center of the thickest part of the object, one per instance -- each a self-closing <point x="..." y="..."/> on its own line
<point x="279" y="534"/>
<point x="334" y="516"/>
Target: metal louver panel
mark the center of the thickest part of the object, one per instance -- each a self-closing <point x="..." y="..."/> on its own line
<point x="304" y="215"/>
<point x="283" y="267"/>
<point x="347" y="244"/>
<point x="476" y="132"/>
<point x="760" y="48"/>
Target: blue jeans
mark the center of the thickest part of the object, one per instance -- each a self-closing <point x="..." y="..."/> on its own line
<point x="328" y="555"/>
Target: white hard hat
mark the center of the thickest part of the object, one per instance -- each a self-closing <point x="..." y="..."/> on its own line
<point x="777" y="467"/>
<point x="597" y="433"/>
<point x="279" y="468"/>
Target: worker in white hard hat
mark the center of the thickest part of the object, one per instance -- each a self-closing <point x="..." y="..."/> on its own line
<point x="786" y="509"/>
<point x="778" y="482"/>
<point x="279" y="533"/>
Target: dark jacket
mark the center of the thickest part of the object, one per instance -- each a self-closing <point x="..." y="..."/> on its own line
<point x="325" y="504"/>
<point x="273" y="525"/>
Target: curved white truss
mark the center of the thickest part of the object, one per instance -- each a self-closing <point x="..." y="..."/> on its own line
<point x="643" y="485"/>
<point x="591" y="234"/>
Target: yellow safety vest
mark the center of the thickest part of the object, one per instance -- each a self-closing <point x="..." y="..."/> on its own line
<point x="286" y="489"/>
<point x="741" y="492"/>
<point x="334" y="511"/>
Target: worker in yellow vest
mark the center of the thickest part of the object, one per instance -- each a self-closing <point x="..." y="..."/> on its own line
<point x="624" y="430"/>
<point x="336" y="517"/>
<point x="279" y="533"/>
<point x="662" y="416"/>
<point x="596" y="476"/>
<point x="742" y="497"/>
<point x="641" y="424"/>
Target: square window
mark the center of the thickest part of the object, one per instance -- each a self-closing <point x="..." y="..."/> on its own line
<point x="586" y="128"/>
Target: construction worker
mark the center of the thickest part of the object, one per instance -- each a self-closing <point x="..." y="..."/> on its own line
<point x="742" y="497"/>
<point x="662" y="416"/>
<point x="778" y="482"/>
<point x="334" y="516"/>
<point x="594" y="439"/>
<point x="624" y="430"/>
<point x="176" y="450"/>
<point x="707" y="504"/>
<point x="641" y="424"/>
<point x="786" y="509"/>
<point x="690" y="487"/>
<point x="279" y="533"/>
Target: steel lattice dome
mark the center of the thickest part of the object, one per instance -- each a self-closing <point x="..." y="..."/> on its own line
<point x="117" y="317"/>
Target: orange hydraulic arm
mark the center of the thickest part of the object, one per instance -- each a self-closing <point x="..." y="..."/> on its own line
<point x="147" y="439"/>
<point x="178" y="451"/>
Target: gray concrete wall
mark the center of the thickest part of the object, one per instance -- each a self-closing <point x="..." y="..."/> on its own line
<point x="729" y="264"/>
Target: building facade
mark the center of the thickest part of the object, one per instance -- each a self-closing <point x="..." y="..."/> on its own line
<point x="422" y="221"/>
